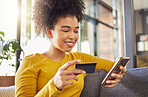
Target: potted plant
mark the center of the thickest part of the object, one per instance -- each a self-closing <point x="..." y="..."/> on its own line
<point x="8" y="50"/>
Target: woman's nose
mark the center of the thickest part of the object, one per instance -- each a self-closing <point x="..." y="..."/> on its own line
<point x="72" y="35"/>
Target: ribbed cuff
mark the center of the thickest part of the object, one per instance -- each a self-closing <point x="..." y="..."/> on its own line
<point x="53" y="90"/>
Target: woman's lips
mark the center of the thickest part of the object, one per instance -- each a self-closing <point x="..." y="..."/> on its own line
<point x="70" y="44"/>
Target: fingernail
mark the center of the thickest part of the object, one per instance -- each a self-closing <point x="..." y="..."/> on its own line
<point x="76" y="79"/>
<point x="78" y="60"/>
<point x="84" y="72"/>
<point x="120" y="67"/>
<point x="107" y="81"/>
<point x="113" y="75"/>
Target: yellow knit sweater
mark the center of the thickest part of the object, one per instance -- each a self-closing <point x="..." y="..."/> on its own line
<point x="34" y="76"/>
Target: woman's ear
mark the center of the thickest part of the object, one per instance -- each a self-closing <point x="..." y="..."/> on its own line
<point x="49" y="33"/>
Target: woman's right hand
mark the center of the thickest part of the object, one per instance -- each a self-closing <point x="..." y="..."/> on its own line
<point x="63" y="76"/>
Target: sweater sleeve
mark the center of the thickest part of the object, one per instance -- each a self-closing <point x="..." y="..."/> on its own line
<point x="101" y="63"/>
<point x="26" y="83"/>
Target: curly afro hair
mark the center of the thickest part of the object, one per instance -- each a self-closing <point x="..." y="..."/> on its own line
<point x="47" y="12"/>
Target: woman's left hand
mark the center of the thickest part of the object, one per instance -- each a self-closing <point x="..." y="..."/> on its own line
<point x="117" y="78"/>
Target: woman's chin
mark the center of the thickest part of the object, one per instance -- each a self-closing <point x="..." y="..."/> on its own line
<point x="68" y="50"/>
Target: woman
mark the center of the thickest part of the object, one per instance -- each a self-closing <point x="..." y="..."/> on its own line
<point x="52" y="73"/>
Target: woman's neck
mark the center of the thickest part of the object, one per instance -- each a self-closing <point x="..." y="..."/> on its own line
<point x="54" y="54"/>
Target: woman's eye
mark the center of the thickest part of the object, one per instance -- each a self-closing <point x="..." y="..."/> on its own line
<point x="76" y="31"/>
<point x="65" y="30"/>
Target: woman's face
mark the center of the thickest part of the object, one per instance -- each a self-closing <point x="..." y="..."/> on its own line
<point x="65" y="34"/>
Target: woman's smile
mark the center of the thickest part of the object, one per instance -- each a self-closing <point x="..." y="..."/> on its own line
<point x="69" y="43"/>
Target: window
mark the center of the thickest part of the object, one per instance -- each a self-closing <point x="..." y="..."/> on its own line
<point x="106" y="18"/>
<point x="30" y="41"/>
<point x="8" y="24"/>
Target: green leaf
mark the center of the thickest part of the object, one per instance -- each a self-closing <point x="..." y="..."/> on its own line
<point x="15" y="46"/>
<point x="1" y="39"/>
<point x="9" y="49"/>
<point x="6" y="47"/>
<point x="11" y="64"/>
<point x="2" y="33"/>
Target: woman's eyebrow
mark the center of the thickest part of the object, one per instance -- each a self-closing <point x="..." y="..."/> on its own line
<point x="69" y="27"/>
<point x="77" y="27"/>
<point x="65" y="26"/>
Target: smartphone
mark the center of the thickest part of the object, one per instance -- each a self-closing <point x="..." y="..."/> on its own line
<point x="88" y="67"/>
<point x="121" y="61"/>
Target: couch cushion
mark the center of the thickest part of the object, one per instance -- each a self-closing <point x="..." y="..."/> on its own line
<point x="134" y="84"/>
<point x="92" y="83"/>
<point x="7" y="91"/>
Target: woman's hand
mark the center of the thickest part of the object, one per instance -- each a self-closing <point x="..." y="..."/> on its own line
<point x="117" y="78"/>
<point x="63" y="76"/>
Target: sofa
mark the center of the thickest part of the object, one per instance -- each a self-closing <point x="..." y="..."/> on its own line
<point x="7" y="91"/>
<point x="133" y="84"/>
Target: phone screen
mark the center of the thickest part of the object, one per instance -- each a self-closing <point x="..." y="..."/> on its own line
<point x="122" y="61"/>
